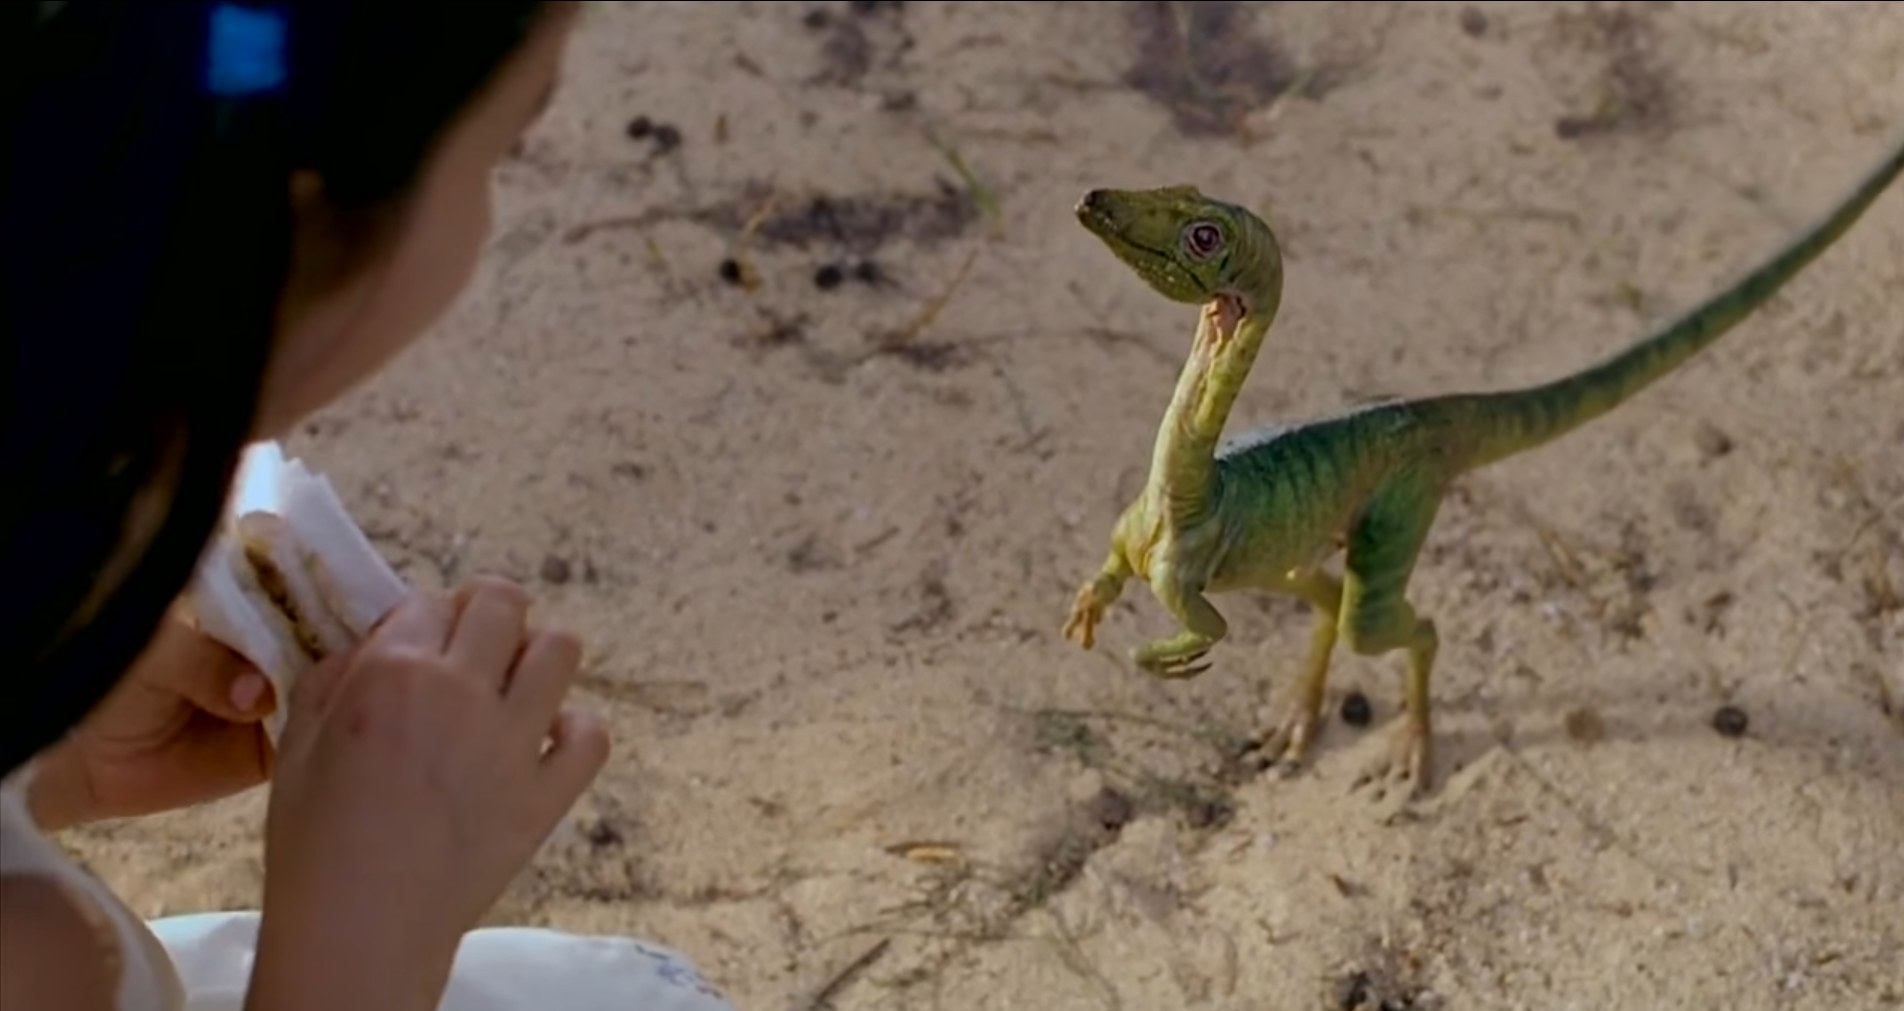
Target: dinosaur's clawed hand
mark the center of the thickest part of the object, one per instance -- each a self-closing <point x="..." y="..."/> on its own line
<point x="1086" y="611"/>
<point x="1166" y="659"/>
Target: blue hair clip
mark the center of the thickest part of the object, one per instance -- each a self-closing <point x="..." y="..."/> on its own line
<point x="245" y="52"/>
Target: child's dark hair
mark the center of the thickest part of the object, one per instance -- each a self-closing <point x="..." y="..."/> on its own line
<point x="145" y="240"/>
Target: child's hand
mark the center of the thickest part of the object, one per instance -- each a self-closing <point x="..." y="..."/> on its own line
<point x="184" y="726"/>
<point x="411" y="786"/>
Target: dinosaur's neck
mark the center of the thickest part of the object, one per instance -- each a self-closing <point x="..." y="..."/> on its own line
<point x="1183" y="464"/>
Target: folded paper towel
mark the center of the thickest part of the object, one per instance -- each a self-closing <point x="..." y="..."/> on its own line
<point x="289" y="578"/>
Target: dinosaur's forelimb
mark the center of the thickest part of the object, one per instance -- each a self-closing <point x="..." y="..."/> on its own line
<point x="1378" y="619"/>
<point x="1175" y="657"/>
<point x="1290" y="738"/>
<point x="1087" y="609"/>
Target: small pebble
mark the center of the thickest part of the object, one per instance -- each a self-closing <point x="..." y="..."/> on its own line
<point x="600" y="834"/>
<point x="667" y="137"/>
<point x="1346" y="888"/>
<point x="1352" y="990"/>
<point x="1473" y="21"/>
<point x="1570" y="127"/>
<point x="1112" y="809"/>
<point x="1204" y="814"/>
<point x="556" y="570"/>
<point x="1711" y="440"/>
<point x="1729" y="721"/>
<point x="828" y="277"/>
<point x="1586" y="726"/>
<point x="816" y="18"/>
<point x="730" y="270"/>
<point x="1356" y="711"/>
<point x="640" y="127"/>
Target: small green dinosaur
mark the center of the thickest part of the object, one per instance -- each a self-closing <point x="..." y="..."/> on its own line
<point x="1267" y="513"/>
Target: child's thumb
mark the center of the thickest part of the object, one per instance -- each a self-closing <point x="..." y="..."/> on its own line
<point x="424" y="619"/>
<point x="208" y="675"/>
<point x="314" y="689"/>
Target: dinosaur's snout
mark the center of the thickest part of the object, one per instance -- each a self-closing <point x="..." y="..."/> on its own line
<point x="1093" y="205"/>
<point x="1097" y="210"/>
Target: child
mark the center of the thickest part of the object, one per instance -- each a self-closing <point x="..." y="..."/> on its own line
<point x="216" y="218"/>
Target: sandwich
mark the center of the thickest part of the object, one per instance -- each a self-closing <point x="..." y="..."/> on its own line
<point x="289" y="578"/>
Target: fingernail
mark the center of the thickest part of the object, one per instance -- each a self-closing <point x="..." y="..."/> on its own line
<point x="247" y="691"/>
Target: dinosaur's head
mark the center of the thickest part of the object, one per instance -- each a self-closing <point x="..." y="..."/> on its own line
<point x="1187" y="246"/>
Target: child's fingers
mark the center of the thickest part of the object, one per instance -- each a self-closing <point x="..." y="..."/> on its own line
<point x="543" y="677"/>
<point x="314" y="689"/>
<point x="420" y="624"/>
<point x="578" y="748"/>
<point x="221" y="759"/>
<point x="488" y="630"/>
<point x="422" y="621"/>
<point x="207" y="674"/>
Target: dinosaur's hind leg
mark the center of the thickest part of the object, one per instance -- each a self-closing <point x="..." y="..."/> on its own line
<point x="1378" y="619"/>
<point x="1290" y="739"/>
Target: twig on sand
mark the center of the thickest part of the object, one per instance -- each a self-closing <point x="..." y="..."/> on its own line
<point x="839" y="981"/>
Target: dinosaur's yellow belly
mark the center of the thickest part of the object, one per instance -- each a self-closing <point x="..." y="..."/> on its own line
<point x="1265" y="552"/>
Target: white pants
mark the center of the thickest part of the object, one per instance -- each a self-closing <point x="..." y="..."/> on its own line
<point x="496" y="969"/>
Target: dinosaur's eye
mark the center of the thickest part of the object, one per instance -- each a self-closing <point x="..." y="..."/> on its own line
<point x="1202" y="238"/>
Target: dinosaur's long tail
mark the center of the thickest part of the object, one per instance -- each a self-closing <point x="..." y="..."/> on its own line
<point x="1509" y="422"/>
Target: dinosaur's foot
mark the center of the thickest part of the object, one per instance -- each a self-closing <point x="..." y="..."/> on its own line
<point x="1404" y="767"/>
<point x="1287" y="743"/>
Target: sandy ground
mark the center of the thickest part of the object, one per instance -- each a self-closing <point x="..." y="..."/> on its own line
<point x="820" y="539"/>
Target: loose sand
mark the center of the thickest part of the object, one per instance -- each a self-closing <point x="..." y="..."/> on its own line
<point x="820" y="540"/>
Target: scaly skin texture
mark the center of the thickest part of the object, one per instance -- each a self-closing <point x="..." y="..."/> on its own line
<point x="1268" y="513"/>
